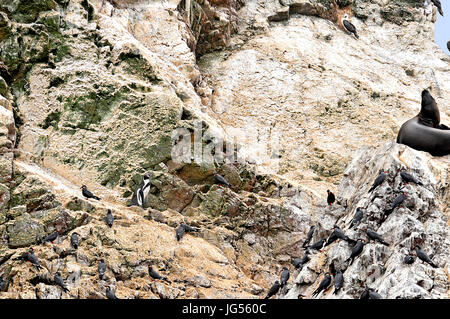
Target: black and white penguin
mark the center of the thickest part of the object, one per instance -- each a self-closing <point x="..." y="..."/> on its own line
<point x="348" y="26"/>
<point x="140" y="194"/>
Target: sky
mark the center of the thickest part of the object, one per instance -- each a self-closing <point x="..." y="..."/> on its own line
<point x="442" y="26"/>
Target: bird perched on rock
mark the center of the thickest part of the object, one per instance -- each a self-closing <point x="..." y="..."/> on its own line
<point x="326" y="281"/>
<point x="31" y="257"/>
<point x="378" y="181"/>
<point x="273" y="290"/>
<point x="330" y="198"/>
<point x="448" y="45"/>
<point x="109" y="218"/>
<point x="188" y="228"/>
<point x="397" y="203"/>
<point x="141" y="192"/>
<point x="356" y="251"/>
<point x="332" y="269"/>
<point x="59" y="281"/>
<point x="338" y="281"/>
<point x="358" y="216"/>
<point x="50" y="238"/>
<point x="153" y="274"/>
<point x="375" y="237"/>
<point x="74" y="240"/>
<point x="101" y="269"/>
<point x="309" y="236"/>
<point x="219" y="179"/>
<point x="299" y="262"/>
<point x="370" y="293"/>
<point x="437" y="3"/>
<point x="318" y="244"/>
<point x="87" y="194"/>
<point x="2" y="284"/>
<point x="180" y="232"/>
<point x="424" y="257"/>
<point x="338" y="234"/>
<point x="110" y="294"/>
<point x="408" y="178"/>
<point x="284" y="276"/>
<point x="348" y="26"/>
<point x="408" y="259"/>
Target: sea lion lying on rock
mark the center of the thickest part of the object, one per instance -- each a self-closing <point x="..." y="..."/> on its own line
<point x="424" y="132"/>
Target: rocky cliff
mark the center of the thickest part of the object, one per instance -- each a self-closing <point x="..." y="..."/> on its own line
<point x="273" y="95"/>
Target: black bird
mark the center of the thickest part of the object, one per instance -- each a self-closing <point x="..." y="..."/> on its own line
<point x="397" y="202"/>
<point x="332" y="269"/>
<point x="101" y="269"/>
<point x="358" y="216"/>
<point x="348" y="26"/>
<point x="296" y="262"/>
<point x="437" y="3"/>
<point x="31" y="257"/>
<point x="273" y="290"/>
<point x="374" y="295"/>
<point x="338" y="234"/>
<point x="74" y="240"/>
<point x="408" y="259"/>
<point x="408" y="178"/>
<point x="448" y="45"/>
<point x="180" y="232"/>
<point x="326" y="281"/>
<point x="152" y="273"/>
<point x="330" y="198"/>
<point x="188" y="228"/>
<point x="59" y="281"/>
<point x="318" y="244"/>
<point x="309" y="236"/>
<point x="365" y="293"/>
<point x="284" y="276"/>
<point x="378" y="181"/>
<point x="375" y="237"/>
<point x="109" y="218"/>
<point x="299" y="262"/>
<point x="221" y="180"/>
<point x="86" y="193"/>
<point x="356" y="251"/>
<point x="424" y="257"/>
<point x="50" y="237"/>
<point x="2" y="284"/>
<point x="338" y="281"/>
<point x="110" y="294"/>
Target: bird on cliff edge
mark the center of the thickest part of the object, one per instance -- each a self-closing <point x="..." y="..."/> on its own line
<point x="101" y="269"/>
<point x="356" y="251"/>
<point x="336" y="234"/>
<point x="74" y="240"/>
<point x="397" y="203"/>
<point x="357" y="217"/>
<point x="309" y="236"/>
<point x="154" y="275"/>
<point x="179" y="232"/>
<point x="87" y="194"/>
<point x="408" y="178"/>
<point x="437" y="3"/>
<point x="338" y="281"/>
<point x="408" y="259"/>
<point x="330" y="198"/>
<point x="448" y="45"/>
<point x="326" y="281"/>
<point x="50" y="238"/>
<point x="375" y="237"/>
<point x="30" y="257"/>
<point x="424" y="257"/>
<point x="378" y="181"/>
<point x="273" y="290"/>
<point x="284" y="276"/>
<point x="59" y="281"/>
<point x="110" y="294"/>
<point x="219" y="179"/>
<point x="109" y="218"/>
<point x="348" y="26"/>
<point x="318" y="245"/>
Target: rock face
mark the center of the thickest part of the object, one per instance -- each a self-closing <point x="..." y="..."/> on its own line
<point x="273" y="95"/>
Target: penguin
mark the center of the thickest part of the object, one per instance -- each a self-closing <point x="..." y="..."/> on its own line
<point x="188" y="228"/>
<point x="326" y="281"/>
<point x="50" y="238"/>
<point x="424" y="257"/>
<point x="408" y="259"/>
<point x="74" y="240"/>
<point x="284" y="276"/>
<point x="60" y="282"/>
<point x="140" y="194"/>
<point x="153" y="274"/>
<point x="31" y="257"/>
<point x="338" y="234"/>
<point x="356" y="251"/>
<point x="87" y="194"/>
<point x="109" y="218"/>
<point x="338" y="281"/>
<point x="330" y="198"/>
<point x="309" y="236"/>
<point x="437" y="3"/>
<point x="348" y="26"/>
<point x="219" y="179"/>
<point x="179" y="232"/>
<point x="375" y="237"/>
<point x="397" y="202"/>
<point x="101" y="269"/>
<point x="318" y="245"/>
<point x="110" y="294"/>
<point x="358" y="216"/>
<point x="273" y="290"/>
<point x="408" y="178"/>
<point x="378" y="181"/>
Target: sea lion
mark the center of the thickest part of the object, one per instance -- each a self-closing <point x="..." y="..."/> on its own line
<point x="424" y="132"/>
